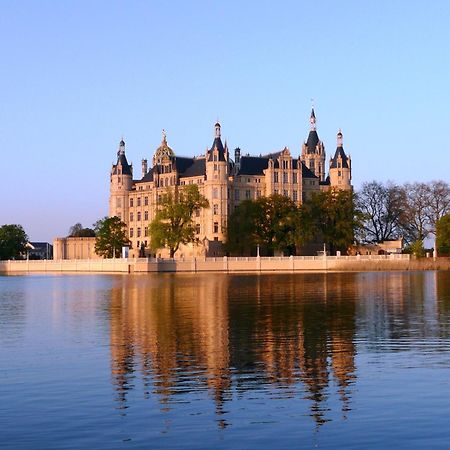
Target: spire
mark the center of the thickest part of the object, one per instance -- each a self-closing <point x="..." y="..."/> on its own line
<point x="339" y="138"/>
<point x="339" y="154"/>
<point x="217" y="130"/>
<point x="122" y="159"/>
<point x="217" y="144"/>
<point x="312" y="120"/>
<point x="121" y="150"/>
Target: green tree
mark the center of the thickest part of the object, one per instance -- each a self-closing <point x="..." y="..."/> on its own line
<point x="334" y="218"/>
<point x="443" y="235"/>
<point x="416" y="248"/>
<point x="269" y="222"/>
<point x="242" y="238"/>
<point x="110" y="237"/>
<point x="276" y="223"/>
<point x="173" y="224"/>
<point x="78" y="230"/>
<point x="13" y="240"/>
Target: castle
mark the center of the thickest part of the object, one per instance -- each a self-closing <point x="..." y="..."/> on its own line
<point x="224" y="181"/>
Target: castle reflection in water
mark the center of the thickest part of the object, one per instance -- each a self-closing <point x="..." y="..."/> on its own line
<point x="231" y="335"/>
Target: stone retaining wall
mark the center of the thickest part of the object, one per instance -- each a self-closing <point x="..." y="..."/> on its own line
<point x="247" y="265"/>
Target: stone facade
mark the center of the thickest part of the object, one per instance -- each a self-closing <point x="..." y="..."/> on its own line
<point x="74" y="248"/>
<point x="225" y="180"/>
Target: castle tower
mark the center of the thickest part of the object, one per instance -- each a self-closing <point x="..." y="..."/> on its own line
<point x="121" y="180"/>
<point x="216" y="187"/>
<point x="163" y="164"/>
<point x="340" y="167"/>
<point x="313" y="150"/>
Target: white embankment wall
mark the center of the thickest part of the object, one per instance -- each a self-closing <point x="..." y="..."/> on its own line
<point x="228" y="264"/>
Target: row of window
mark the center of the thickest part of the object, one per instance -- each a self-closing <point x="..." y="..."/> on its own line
<point x="183" y="182"/>
<point x="249" y="180"/>
<point x="139" y="243"/>
<point x="138" y="216"/>
<point x="166" y="181"/>
<point x="248" y="194"/>
<point x="286" y="194"/>
<point x="197" y="230"/>
<point x="285" y="177"/>
<point x="138" y="232"/>
<point x="138" y="201"/>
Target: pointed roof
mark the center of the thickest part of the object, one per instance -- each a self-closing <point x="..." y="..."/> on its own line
<point x="126" y="168"/>
<point x="313" y="138"/>
<point x="312" y="141"/>
<point x="339" y="153"/>
<point x="122" y="160"/>
<point x="334" y="161"/>
<point x="217" y="143"/>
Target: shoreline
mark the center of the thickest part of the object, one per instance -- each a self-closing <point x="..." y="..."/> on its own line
<point x="283" y="264"/>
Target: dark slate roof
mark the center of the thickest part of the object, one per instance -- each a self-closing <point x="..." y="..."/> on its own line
<point x="339" y="152"/>
<point x="122" y="160"/>
<point x="196" y="169"/>
<point x="312" y="141"/>
<point x="182" y="163"/>
<point x="217" y="143"/>
<point x="326" y="182"/>
<point x="253" y="165"/>
<point x="313" y="114"/>
<point x="273" y="155"/>
<point x="148" y="176"/>
<point x="306" y="173"/>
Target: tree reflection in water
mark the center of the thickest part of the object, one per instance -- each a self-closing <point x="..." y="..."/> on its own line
<point x="234" y="334"/>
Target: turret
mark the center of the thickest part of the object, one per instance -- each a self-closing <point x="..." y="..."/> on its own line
<point x="121" y="181"/>
<point x="216" y="187"/>
<point x="340" y="166"/>
<point x="313" y="150"/>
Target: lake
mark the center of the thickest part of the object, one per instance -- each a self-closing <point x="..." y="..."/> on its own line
<point x="203" y="361"/>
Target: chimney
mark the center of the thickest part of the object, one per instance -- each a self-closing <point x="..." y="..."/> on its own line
<point x="144" y="168"/>
<point x="237" y="156"/>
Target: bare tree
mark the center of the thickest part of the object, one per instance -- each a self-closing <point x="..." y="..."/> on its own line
<point x="382" y="206"/>
<point x="415" y="218"/>
<point x="439" y="202"/>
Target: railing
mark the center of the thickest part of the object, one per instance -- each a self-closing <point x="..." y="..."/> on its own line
<point x="227" y="264"/>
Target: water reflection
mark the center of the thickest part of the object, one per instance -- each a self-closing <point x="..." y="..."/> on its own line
<point x="234" y="334"/>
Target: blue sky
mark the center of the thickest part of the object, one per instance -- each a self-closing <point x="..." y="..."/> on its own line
<point x="77" y="76"/>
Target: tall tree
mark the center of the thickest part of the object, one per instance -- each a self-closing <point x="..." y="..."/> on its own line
<point x="78" y="230"/>
<point x="13" y="240"/>
<point x="276" y="222"/>
<point x="443" y="235"/>
<point x="242" y="236"/>
<point x="414" y="221"/>
<point x="439" y="202"/>
<point x="268" y="222"/>
<point x="173" y="224"/>
<point x="111" y="236"/>
<point x="334" y="218"/>
<point x="382" y="208"/>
